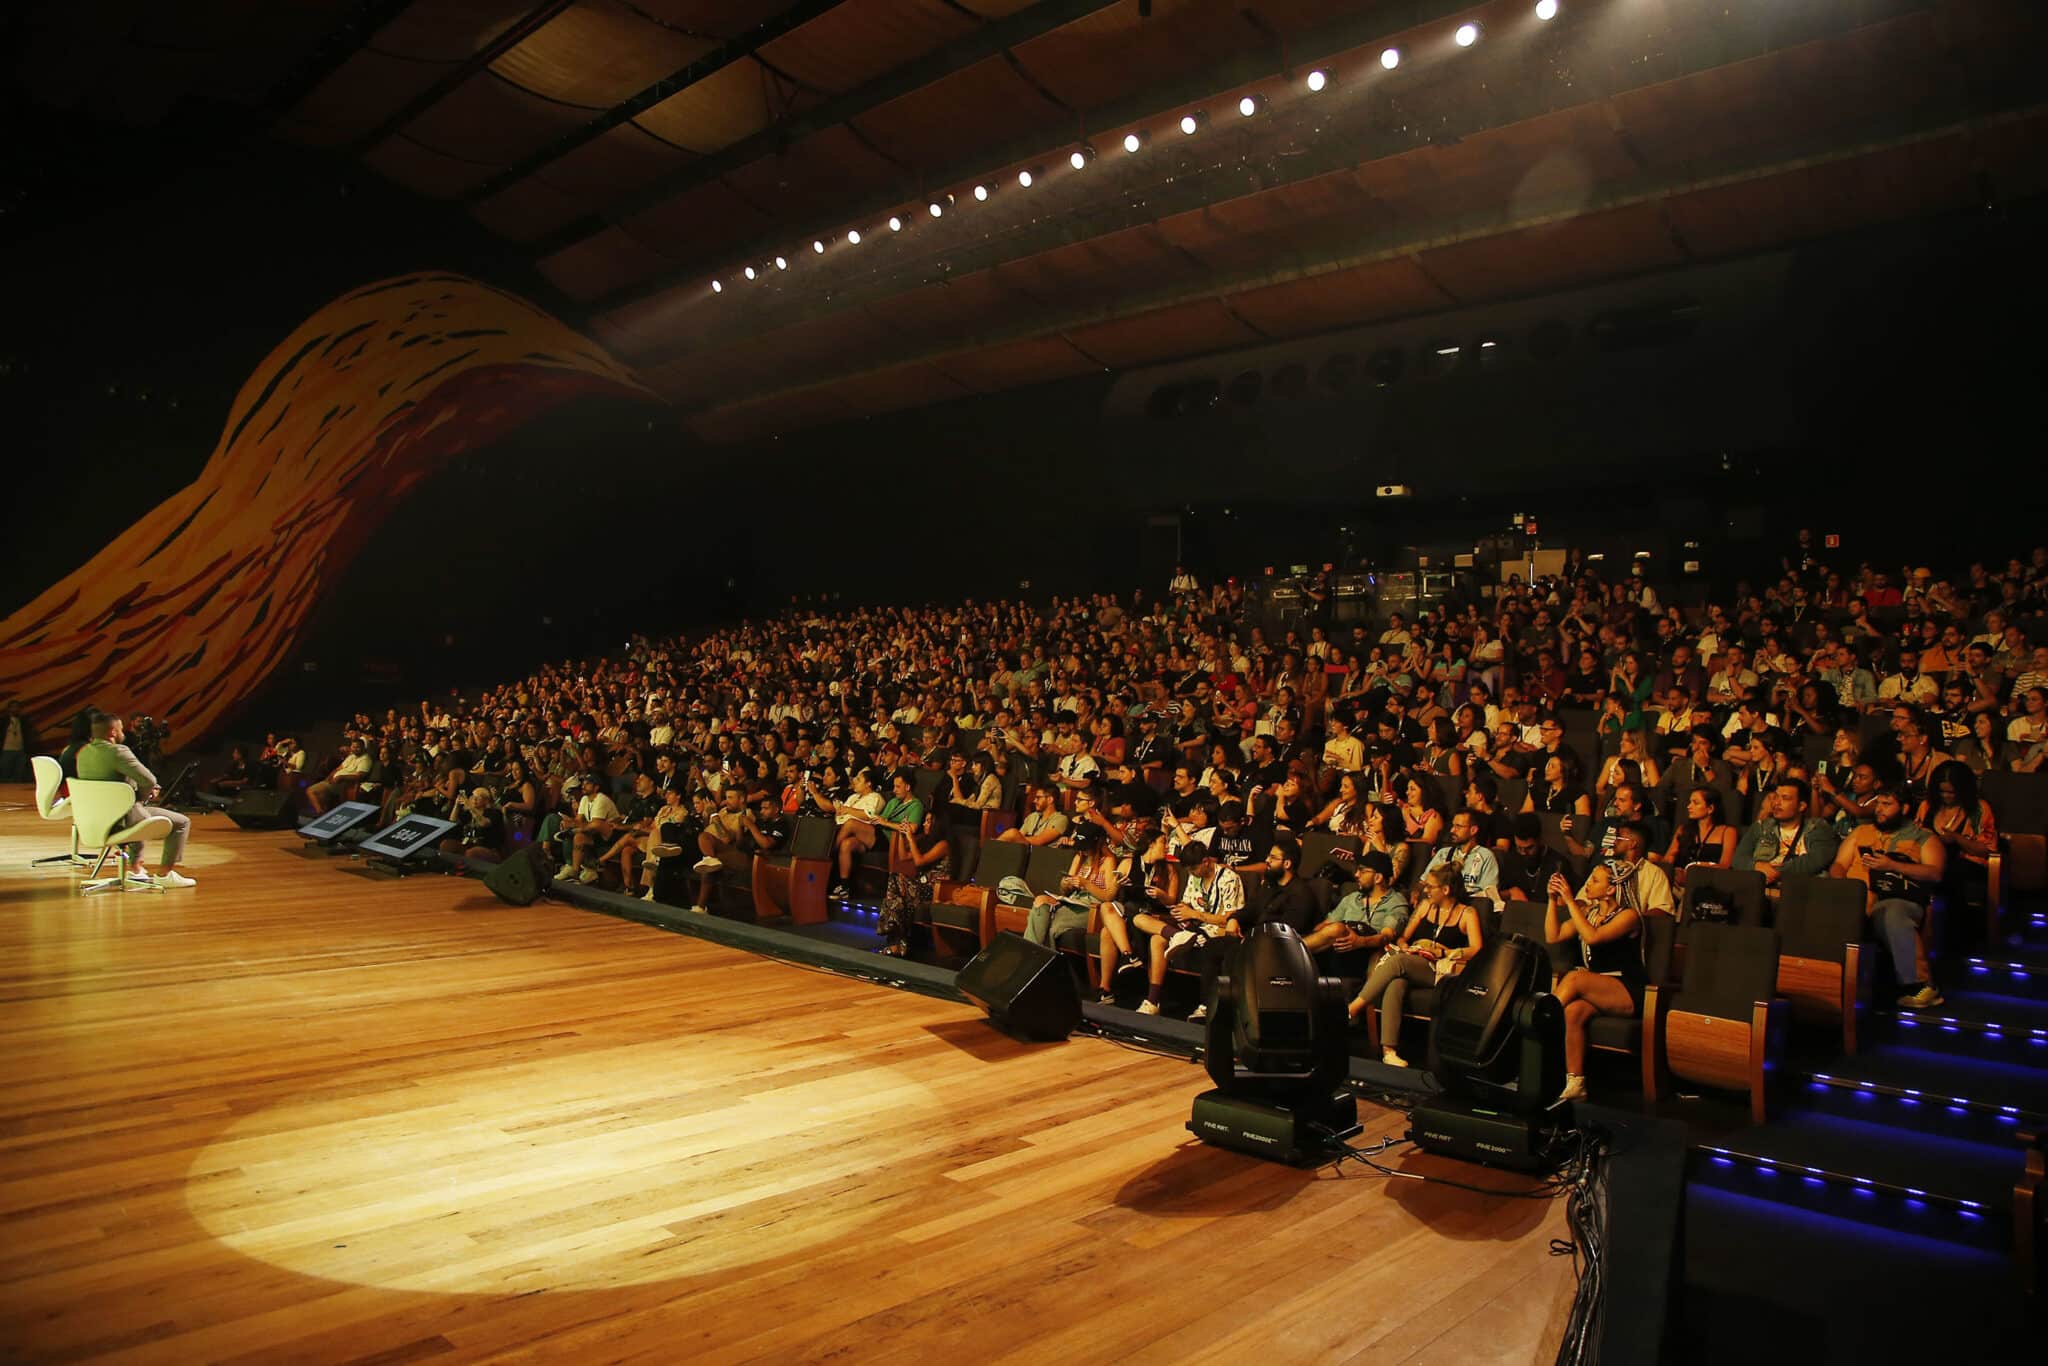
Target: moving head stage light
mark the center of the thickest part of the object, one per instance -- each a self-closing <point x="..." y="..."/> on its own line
<point x="1277" y="1053"/>
<point x="1496" y="1047"/>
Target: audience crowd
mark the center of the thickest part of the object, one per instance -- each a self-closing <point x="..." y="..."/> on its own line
<point x="1572" y="741"/>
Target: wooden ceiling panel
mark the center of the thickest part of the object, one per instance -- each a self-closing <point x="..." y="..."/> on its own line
<point x="853" y="43"/>
<point x="489" y="124"/>
<point x="361" y="94"/>
<point x="1366" y="294"/>
<point x="726" y="106"/>
<point x="421" y="169"/>
<point x="600" y="264"/>
<point x="1014" y="364"/>
<point x="951" y="118"/>
<point x="1104" y="56"/>
<point x="528" y="209"/>
<point x="711" y="18"/>
<point x="811" y="176"/>
<point x="596" y="53"/>
<point x="616" y="162"/>
<point x="1556" y="256"/>
<point x="1184" y="330"/>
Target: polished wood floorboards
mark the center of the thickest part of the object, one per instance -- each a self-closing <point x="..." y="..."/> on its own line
<point x="294" y="1115"/>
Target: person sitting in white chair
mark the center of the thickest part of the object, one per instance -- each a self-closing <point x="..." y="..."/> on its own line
<point x="107" y="759"/>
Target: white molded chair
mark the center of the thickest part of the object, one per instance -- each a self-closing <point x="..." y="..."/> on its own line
<point x="99" y="820"/>
<point x="51" y="807"/>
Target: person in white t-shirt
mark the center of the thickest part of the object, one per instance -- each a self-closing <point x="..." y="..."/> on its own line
<point x="596" y="818"/>
<point x="354" y="764"/>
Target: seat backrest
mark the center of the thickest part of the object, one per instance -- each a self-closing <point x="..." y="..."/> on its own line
<point x="925" y="783"/>
<point x="1727" y="969"/>
<point x="1819" y="917"/>
<point x="1660" y="933"/>
<point x="999" y="860"/>
<point x="964" y="845"/>
<point x="1316" y="847"/>
<point x="49" y="777"/>
<point x="98" y="809"/>
<point x="1512" y="792"/>
<point x="1450" y="790"/>
<point x="2019" y="801"/>
<point x="812" y="838"/>
<point x="1742" y="888"/>
<point x="1553" y="832"/>
<point x="1046" y="865"/>
<point x="1524" y="918"/>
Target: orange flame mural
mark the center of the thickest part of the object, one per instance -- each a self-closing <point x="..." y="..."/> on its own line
<point x="191" y="609"/>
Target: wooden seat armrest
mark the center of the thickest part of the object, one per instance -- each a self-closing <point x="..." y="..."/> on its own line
<point x="1766" y="1047"/>
<point x="1653" y="1041"/>
<point x="1994" y="895"/>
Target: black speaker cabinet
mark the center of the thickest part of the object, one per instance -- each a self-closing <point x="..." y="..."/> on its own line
<point x="1024" y="987"/>
<point x="263" y="808"/>
<point x="518" y="879"/>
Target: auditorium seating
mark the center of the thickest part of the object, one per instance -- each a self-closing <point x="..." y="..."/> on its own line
<point x="794" y="884"/>
<point x="1724" y="1024"/>
<point x="1822" y="968"/>
<point x="975" y="894"/>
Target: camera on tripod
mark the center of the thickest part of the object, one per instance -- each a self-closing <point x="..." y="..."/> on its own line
<point x="146" y="736"/>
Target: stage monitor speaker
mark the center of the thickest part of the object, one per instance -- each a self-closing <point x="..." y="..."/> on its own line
<point x="519" y="879"/>
<point x="1024" y="987"/>
<point x="263" y="808"/>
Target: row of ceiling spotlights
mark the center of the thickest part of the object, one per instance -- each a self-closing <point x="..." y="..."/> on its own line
<point x="1190" y="123"/>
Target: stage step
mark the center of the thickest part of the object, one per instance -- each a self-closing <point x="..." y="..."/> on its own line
<point x="1936" y="1187"/>
<point x="1806" y="1286"/>
<point x="1934" y="1093"/>
<point x="2019" y="970"/>
<point x="1971" y="1023"/>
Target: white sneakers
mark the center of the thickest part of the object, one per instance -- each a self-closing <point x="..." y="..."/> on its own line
<point x="1574" y="1089"/>
<point x="707" y="864"/>
<point x="587" y="876"/>
<point x="1148" y="1007"/>
<point x="565" y="874"/>
<point x="1390" y="1058"/>
<point x="174" y="878"/>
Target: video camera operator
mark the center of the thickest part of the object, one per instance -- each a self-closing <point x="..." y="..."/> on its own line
<point x="107" y="758"/>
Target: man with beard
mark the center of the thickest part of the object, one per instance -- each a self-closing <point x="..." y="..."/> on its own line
<point x="1787" y="841"/>
<point x="1900" y="861"/>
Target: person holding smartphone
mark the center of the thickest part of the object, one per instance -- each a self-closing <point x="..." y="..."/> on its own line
<point x="1900" y="861"/>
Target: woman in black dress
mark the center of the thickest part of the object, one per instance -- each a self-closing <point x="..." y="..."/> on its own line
<point x="1612" y="979"/>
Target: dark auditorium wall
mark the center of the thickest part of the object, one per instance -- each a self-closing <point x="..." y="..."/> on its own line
<point x="1884" y="398"/>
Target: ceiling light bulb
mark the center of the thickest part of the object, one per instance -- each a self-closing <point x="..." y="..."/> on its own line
<point x="895" y="223"/>
<point x="981" y="193"/>
<point x="936" y="209"/>
<point x="1467" y="34"/>
<point x="818" y="247"/>
<point x="1133" y="141"/>
<point x="717" y="288"/>
<point x="782" y="263"/>
<point x="1024" y="179"/>
<point x="1546" y="10"/>
<point x="750" y="272"/>
<point x="1390" y="58"/>
<point x="853" y="236"/>
<point x="1189" y="124"/>
<point x="1317" y="79"/>
<point x="1082" y="155"/>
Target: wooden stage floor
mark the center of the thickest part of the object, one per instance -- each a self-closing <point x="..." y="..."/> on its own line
<point x="297" y="1115"/>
